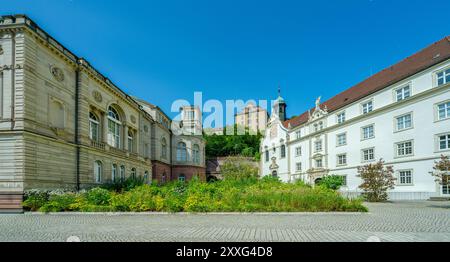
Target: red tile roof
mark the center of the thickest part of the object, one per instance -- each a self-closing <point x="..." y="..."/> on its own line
<point x="431" y="55"/>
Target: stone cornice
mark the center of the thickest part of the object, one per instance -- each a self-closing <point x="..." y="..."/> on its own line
<point x="21" y="23"/>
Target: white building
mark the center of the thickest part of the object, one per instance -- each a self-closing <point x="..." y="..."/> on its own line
<point x="401" y="114"/>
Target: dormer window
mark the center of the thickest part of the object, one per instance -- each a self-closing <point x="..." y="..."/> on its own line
<point x="443" y="77"/>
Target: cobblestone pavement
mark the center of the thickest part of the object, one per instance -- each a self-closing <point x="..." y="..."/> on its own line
<point x="400" y="221"/>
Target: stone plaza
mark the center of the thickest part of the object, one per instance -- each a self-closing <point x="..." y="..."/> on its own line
<point x="403" y="221"/>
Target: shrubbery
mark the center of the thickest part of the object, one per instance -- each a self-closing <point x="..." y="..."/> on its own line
<point x="248" y="194"/>
<point x="332" y="182"/>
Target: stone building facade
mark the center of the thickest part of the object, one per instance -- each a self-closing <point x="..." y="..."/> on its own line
<point x="253" y="117"/>
<point x="64" y="124"/>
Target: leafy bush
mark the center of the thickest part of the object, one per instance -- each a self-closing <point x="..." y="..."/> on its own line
<point x="332" y="182"/>
<point x="125" y="184"/>
<point x="98" y="196"/>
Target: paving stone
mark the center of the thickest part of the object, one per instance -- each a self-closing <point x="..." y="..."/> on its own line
<point x="398" y="221"/>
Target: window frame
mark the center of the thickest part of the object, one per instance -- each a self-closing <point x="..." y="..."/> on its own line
<point x="113" y="172"/>
<point x="438" y="142"/>
<point x="373" y="132"/>
<point x="365" y="103"/>
<point x="297" y="149"/>
<point x="399" y="177"/>
<point x="338" y="118"/>
<point x="98" y="171"/>
<point x="369" y="160"/>
<point x="396" y="148"/>
<point x="338" y="158"/>
<point x="297" y="169"/>
<point x="114" y="128"/>
<point x="282" y="151"/>
<point x="436" y="110"/>
<point x="319" y="141"/>
<point x="396" y="118"/>
<point x="402" y="88"/>
<point x="337" y="139"/>
<point x="445" y="73"/>
<point x="94" y="122"/>
<point x="181" y="155"/>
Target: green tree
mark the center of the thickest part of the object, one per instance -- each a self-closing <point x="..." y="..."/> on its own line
<point x="238" y="169"/>
<point x="377" y="180"/>
<point x="441" y="171"/>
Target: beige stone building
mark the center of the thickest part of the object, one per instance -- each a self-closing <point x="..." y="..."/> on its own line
<point x="64" y="124"/>
<point x="252" y="117"/>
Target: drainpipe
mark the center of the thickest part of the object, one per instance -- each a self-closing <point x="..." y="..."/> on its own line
<point x="77" y="140"/>
<point x="13" y="80"/>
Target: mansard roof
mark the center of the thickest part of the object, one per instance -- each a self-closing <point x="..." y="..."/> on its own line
<point x="430" y="56"/>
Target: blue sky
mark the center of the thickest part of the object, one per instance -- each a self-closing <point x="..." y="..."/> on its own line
<point x="237" y="49"/>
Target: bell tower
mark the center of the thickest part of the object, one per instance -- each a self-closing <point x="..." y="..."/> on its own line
<point x="279" y="107"/>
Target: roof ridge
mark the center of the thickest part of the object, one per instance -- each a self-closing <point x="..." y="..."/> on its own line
<point x="420" y="60"/>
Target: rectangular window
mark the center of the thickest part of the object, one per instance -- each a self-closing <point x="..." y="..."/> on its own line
<point x="368" y="132"/>
<point x="318" y="146"/>
<point x="298" y="134"/>
<point x="444" y="110"/>
<point x="267" y="155"/>
<point x="341" y="118"/>
<point x="342" y="159"/>
<point x="404" y="122"/>
<point x="367" y="107"/>
<point x="298" y="151"/>
<point x="344" y="180"/>
<point x="405" y="177"/>
<point x="443" y="77"/>
<point x="368" y="154"/>
<point x="405" y="148"/>
<point x="319" y="163"/>
<point x="403" y="93"/>
<point x="341" y="139"/>
<point x="444" y="142"/>
<point x="298" y="167"/>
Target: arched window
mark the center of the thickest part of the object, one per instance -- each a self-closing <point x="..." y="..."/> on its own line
<point x="163" y="148"/>
<point x="283" y="151"/>
<point x="122" y="172"/>
<point x="93" y="127"/>
<point x="113" y="172"/>
<point x="114" y="126"/>
<point x="274" y="173"/>
<point x="196" y="154"/>
<point x="267" y="155"/>
<point x="181" y="152"/>
<point x="163" y="178"/>
<point x="181" y="177"/>
<point x="98" y="171"/>
<point x="133" y="172"/>
<point x="130" y="139"/>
